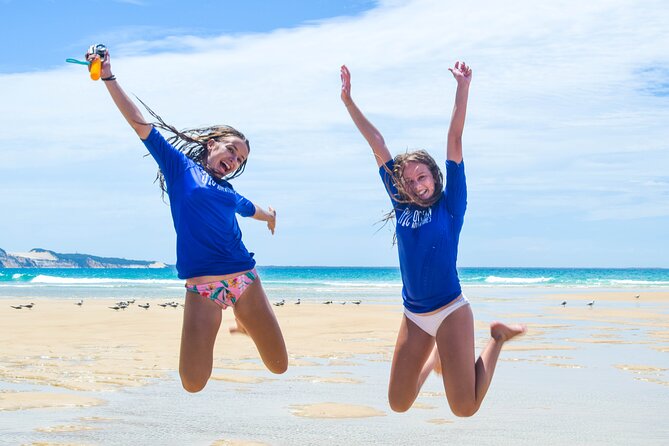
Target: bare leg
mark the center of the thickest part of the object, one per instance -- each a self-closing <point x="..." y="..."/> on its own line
<point x="409" y="370"/>
<point x="466" y="381"/>
<point x="202" y="319"/>
<point x="255" y="317"/>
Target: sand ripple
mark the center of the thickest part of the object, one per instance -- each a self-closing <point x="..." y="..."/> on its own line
<point x="328" y="380"/>
<point x="34" y="400"/>
<point x="334" y="410"/>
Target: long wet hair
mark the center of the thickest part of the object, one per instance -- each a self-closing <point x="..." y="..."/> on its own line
<point x="403" y="196"/>
<point x="193" y="143"/>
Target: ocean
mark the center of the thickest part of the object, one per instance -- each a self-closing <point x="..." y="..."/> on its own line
<point x="372" y="284"/>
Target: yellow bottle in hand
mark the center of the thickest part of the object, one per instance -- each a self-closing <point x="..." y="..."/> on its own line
<point x="96" y="64"/>
<point x="96" y="67"/>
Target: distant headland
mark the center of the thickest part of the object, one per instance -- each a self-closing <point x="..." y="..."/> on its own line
<point x="44" y="258"/>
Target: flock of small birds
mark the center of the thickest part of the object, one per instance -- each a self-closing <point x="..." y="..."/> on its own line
<point x="592" y="302"/>
<point x="123" y="304"/>
<point x="282" y="302"/>
<point x="172" y="304"/>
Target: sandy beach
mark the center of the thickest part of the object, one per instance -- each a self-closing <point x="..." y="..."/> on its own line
<point x="584" y="374"/>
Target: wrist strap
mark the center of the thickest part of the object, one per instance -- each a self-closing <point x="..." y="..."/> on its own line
<point x="110" y="78"/>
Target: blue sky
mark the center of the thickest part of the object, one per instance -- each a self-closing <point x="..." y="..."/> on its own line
<point x="41" y="30"/>
<point x="565" y="143"/>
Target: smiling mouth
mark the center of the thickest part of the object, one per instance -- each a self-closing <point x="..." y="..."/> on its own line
<point x="224" y="168"/>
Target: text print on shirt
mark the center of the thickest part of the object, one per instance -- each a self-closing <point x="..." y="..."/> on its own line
<point x="415" y="217"/>
<point x="209" y="181"/>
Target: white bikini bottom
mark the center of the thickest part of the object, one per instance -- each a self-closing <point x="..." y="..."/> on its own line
<point x="430" y="322"/>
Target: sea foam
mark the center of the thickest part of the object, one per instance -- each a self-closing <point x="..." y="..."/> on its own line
<point x="517" y="280"/>
<point x="97" y="281"/>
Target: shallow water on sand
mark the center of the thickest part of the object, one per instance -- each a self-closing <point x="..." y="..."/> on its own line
<point x="583" y="375"/>
<point x="531" y="401"/>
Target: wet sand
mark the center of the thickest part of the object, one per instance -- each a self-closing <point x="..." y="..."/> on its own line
<point x="59" y="356"/>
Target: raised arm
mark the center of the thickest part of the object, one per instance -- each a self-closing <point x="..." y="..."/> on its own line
<point x="463" y="76"/>
<point x="125" y="105"/>
<point x="371" y="134"/>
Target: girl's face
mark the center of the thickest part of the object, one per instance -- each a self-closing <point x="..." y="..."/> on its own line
<point x="419" y="181"/>
<point x="225" y="156"/>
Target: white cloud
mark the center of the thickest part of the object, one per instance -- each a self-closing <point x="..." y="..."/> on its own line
<point x="560" y="118"/>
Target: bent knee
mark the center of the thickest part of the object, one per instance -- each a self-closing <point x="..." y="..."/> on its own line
<point x="193" y="384"/>
<point x="464" y="410"/>
<point x="399" y="404"/>
<point x="193" y="387"/>
<point x="399" y="407"/>
<point x="278" y="367"/>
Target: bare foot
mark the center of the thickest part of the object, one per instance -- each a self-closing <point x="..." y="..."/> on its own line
<point x="239" y="328"/>
<point x="502" y="332"/>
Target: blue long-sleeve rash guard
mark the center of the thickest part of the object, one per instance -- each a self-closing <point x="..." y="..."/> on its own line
<point x="427" y="241"/>
<point x="209" y="240"/>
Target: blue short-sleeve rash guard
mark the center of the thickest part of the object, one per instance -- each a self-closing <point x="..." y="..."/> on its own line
<point x="209" y="240"/>
<point x="427" y="241"/>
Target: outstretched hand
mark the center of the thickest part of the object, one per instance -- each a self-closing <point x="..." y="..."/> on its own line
<point x="346" y="86"/>
<point x="462" y="73"/>
<point x="271" y="221"/>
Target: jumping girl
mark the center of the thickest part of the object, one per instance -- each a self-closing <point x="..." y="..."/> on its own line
<point x="437" y="329"/>
<point x="195" y="166"/>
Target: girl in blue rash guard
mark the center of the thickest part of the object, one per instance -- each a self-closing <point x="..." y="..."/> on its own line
<point x="211" y="258"/>
<point x="437" y="329"/>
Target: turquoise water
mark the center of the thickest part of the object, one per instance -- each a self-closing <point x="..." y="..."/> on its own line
<point x="311" y="283"/>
